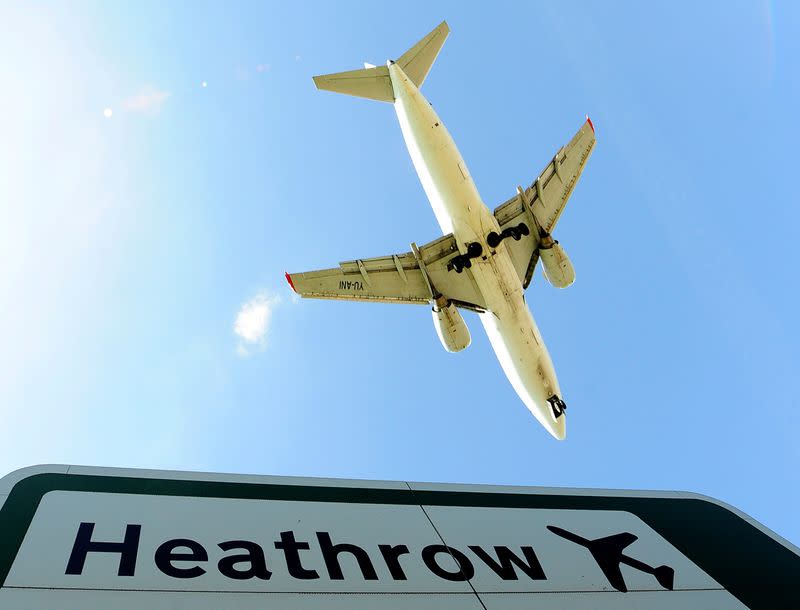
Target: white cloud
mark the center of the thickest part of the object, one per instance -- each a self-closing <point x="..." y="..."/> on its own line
<point x="252" y="322"/>
<point x="147" y="101"/>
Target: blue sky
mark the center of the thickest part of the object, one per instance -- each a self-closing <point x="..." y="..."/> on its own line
<point x="130" y="243"/>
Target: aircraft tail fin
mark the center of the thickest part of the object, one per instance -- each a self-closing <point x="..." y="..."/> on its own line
<point x="374" y="82"/>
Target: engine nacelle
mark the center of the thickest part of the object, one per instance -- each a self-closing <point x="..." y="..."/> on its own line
<point x="451" y="328"/>
<point x="557" y="267"/>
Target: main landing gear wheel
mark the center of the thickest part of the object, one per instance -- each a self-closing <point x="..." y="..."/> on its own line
<point x="493" y="239"/>
<point x="557" y="405"/>
<point x="474" y="250"/>
<point x="520" y="230"/>
<point x="464" y="261"/>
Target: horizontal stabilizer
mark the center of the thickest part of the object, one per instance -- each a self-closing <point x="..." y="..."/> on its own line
<point x="371" y="83"/>
<point x="374" y="83"/>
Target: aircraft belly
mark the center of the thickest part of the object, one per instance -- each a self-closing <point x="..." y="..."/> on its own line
<point x="460" y="210"/>
<point x="516" y="339"/>
<point x="518" y="345"/>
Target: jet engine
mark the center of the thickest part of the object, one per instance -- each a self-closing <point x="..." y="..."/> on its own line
<point x="450" y="326"/>
<point x="556" y="264"/>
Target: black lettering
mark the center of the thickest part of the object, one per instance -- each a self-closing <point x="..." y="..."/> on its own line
<point x="507" y="560"/>
<point x="465" y="571"/>
<point x="351" y="285"/>
<point x="291" y="549"/>
<point x="390" y="556"/>
<point x="127" y="549"/>
<point x="254" y="556"/>
<point x="165" y="555"/>
<point x="330" y="552"/>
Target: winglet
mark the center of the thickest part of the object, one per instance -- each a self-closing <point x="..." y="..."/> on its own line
<point x="588" y="120"/>
<point x="289" y="279"/>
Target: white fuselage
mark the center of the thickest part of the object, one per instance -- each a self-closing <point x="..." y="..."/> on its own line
<point x="460" y="210"/>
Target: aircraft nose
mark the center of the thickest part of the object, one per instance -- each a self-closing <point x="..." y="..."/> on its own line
<point x="559" y="428"/>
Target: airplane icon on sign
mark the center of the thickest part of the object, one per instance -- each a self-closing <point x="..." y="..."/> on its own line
<point x="607" y="552"/>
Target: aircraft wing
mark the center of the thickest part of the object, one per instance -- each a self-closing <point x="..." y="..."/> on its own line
<point x="607" y="552"/>
<point x="397" y="278"/>
<point x="613" y="573"/>
<point x="545" y="199"/>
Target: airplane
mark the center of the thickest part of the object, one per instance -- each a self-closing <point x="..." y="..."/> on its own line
<point x="607" y="552"/>
<point x="484" y="261"/>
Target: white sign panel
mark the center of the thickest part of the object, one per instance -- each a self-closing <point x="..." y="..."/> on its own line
<point x="95" y="538"/>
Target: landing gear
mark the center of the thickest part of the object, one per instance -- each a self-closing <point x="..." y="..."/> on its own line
<point x="557" y="405"/>
<point x="458" y="264"/>
<point x="493" y="239"/>
<point x="464" y="261"/>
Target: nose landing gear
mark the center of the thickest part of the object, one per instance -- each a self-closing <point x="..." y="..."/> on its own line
<point x="557" y="405"/>
<point x="493" y="239"/>
<point x="464" y="261"/>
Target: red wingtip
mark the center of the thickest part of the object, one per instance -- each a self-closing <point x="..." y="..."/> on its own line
<point x="289" y="279"/>
<point x="588" y="120"/>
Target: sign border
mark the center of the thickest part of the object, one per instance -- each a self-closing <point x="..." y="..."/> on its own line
<point x="711" y="535"/>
